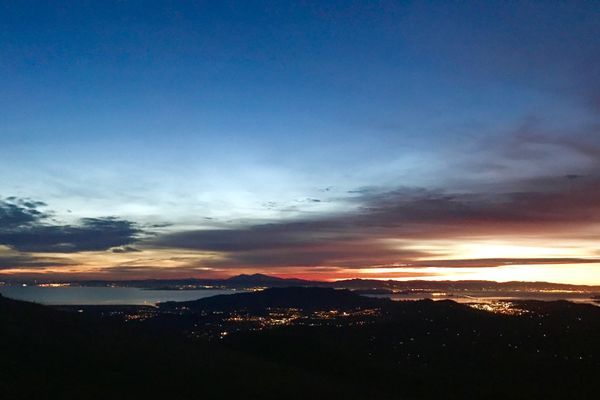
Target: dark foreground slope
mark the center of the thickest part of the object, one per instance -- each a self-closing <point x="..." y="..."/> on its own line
<point x="424" y="349"/>
<point x="49" y="354"/>
<point x="432" y="350"/>
<point x="377" y="349"/>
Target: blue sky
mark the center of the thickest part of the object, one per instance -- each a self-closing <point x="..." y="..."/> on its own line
<point x="205" y="115"/>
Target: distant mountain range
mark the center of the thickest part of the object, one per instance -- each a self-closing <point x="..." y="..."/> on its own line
<point x="366" y="285"/>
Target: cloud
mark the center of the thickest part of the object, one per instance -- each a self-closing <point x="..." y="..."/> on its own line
<point x="555" y="205"/>
<point x="498" y="262"/>
<point x="156" y="272"/>
<point x="527" y="205"/>
<point x="533" y="139"/>
<point x="16" y="212"/>
<point x="25" y="228"/>
<point x="125" y="249"/>
<point x="20" y="261"/>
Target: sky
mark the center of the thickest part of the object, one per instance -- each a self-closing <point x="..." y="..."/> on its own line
<point x="322" y="140"/>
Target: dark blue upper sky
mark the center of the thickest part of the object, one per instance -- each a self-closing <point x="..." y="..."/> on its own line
<point x="245" y="111"/>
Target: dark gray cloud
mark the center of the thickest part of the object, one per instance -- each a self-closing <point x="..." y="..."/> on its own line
<point x="25" y="228"/>
<point x="16" y="212"/>
<point x="92" y="234"/>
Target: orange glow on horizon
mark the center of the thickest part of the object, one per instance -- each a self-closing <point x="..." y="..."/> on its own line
<point x="180" y="264"/>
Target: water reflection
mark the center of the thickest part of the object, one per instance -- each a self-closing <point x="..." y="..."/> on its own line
<point x="81" y="295"/>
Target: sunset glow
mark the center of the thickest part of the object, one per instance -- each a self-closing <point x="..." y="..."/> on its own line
<point x="191" y="150"/>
